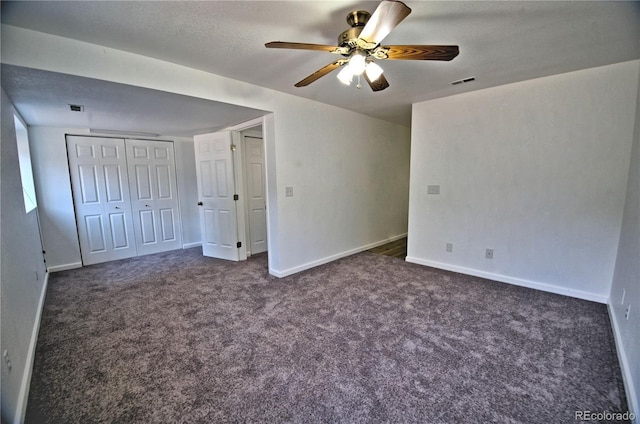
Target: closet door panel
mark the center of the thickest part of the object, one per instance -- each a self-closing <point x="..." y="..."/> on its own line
<point x="114" y="183"/>
<point x="120" y="238"/>
<point x="95" y="234"/>
<point x="142" y="176"/>
<point x="163" y="177"/>
<point x="98" y="170"/>
<point x="168" y="225"/>
<point x="152" y="179"/>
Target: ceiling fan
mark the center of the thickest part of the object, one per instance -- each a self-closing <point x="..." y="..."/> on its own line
<point x="360" y="46"/>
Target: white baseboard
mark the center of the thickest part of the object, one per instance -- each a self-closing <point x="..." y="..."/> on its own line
<point x="64" y="267"/>
<point x="579" y="294"/>
<point x="332" y="258"/>
<point x="623" y="359"/>
<point x="23" y="395"/>
<point x="190" y="245"/>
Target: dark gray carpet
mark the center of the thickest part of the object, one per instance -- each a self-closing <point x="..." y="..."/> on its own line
<point x="176" y="337"/>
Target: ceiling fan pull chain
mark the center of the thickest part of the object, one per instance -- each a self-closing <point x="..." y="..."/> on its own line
<point x="359" y="86"/>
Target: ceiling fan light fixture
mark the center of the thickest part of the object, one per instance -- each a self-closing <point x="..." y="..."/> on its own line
<point x="360" y="44"/>
<point x="345" y="76"/>
<point x="373" y="71"/>
<point x="357" y="63"/>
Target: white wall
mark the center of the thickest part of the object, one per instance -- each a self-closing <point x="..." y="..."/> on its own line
<point x="23" y="276"/>
<point x="53" y="187"/>
<point x="350" y="187"/>
<point x="625" y="289"/>
<point x="535" y="170"/>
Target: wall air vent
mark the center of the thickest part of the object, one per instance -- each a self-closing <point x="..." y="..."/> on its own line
<point x="460" y="81"/>
<point x="76" y="108"/>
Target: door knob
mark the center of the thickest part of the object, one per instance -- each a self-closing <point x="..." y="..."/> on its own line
<point x="199" y="203"/>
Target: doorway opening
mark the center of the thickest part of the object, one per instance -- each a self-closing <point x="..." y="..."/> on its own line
<point x="254" y="180"/>
<point x="231" y="169"/>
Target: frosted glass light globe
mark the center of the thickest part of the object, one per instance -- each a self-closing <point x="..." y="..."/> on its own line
<point x="357" y="64"/>
<point x="373" y="71"/>
<point x="345" y="76"/>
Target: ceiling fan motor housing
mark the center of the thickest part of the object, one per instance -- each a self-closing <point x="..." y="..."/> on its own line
<point x="348" y="37"/>
<point x="357" y="20"/>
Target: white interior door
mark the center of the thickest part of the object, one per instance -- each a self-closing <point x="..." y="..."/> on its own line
<point x="256" y="199"/>
<point x="154" y="198"/>
<point x="216" y="189"/>
<point x="98" y="170"/>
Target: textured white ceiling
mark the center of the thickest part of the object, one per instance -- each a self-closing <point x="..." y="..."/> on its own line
<point x="43" y="99"/>
<point x="500" y="42"/>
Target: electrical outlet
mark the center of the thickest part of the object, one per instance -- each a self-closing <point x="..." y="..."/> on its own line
<point x="627" y="312"/>
<point x="488" y="254"/>
<point x="288" y="191"/>
<point x="449" y="247"/>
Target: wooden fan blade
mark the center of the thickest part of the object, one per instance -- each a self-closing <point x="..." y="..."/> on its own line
<point x="379" y="84"/>
<point x="301" y="46"/>
<point x="422" y="52"/>
<point x="385" y="18"/>
<point x="319" y="74"/>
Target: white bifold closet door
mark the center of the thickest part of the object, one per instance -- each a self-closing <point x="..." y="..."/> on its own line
<point x="154" y="199"/>
<point x="98" y="168"/>
<point x="125" y="197"/>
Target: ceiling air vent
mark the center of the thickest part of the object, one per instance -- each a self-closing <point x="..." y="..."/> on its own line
<point x="76" y="108"/>
<point x="460" y="81"/>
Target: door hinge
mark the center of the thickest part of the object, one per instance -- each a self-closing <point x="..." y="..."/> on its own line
<point x="233" y="147"/>
<point x="239" y="244"/>
<point x="236" y="197"/>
